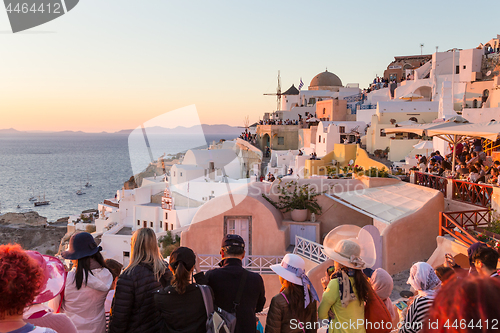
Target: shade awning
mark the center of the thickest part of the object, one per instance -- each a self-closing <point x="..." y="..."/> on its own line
<point x="488" y="130"/>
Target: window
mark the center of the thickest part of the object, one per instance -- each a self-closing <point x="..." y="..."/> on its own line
<point x="166" y="216"/>
<point x="382" y="132"/>
<point x="457" y="70"/>
<point x="341" y="129"/>
<point x="138" y="222"/>
<point x="324" y="110"/>
<point x="126" y="254"/>
<point x="323" y="140"/>
<point x="144" y="224"/>
<point x="174" y="173"/>
<point x="172" y="226"/>
<point x="181" y="174"/>
<point x="319" y="140"/>
<point x="151" y="224"/>
<point x="464" y="67"/>
<point x="161" y="224"/>
<point x="281" y="140"/>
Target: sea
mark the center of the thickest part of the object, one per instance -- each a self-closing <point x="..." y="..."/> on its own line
<point x="56" y="166"/>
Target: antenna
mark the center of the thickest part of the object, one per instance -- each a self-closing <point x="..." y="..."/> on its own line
<point x="421" y="48"/>
<point x="278" y="93"/>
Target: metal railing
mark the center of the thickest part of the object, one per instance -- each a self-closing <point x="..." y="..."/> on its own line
<point x="476" y="194"/>
<point x="458" y="224"/>
<point x="253" y="263"/>
<point x="432" y="181"/>
<point x="309" y="249"/>
<point x="367" y="106"/>
<point x="353" y="98"/>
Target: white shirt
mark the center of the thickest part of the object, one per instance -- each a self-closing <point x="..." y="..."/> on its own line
<point x="85" y="307"/>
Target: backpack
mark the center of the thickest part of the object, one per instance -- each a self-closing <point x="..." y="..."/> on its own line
<point x="219" y="320"/>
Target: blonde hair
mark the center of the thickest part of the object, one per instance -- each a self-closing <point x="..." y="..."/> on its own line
<point x="144" y="249"/>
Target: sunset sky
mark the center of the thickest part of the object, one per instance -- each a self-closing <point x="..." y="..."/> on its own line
<point x="109" y="65"/>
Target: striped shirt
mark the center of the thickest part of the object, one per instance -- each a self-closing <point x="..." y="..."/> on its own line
<point x="416" y="315"/>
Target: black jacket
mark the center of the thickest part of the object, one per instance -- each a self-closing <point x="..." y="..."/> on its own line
<point x="184" y="313"/>
<point x="133" y="308"/>
<point x="225" y="282"/>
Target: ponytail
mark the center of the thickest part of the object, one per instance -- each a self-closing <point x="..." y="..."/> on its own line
<point x="181" y="278"/>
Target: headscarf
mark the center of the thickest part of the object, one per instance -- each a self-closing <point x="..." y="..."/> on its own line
<point x="383" y="284"/>
<point x="424" y="279"/>
<point x="306" y="283"/>
<point x="472" y="249"/>
<point x="347" y="294"/>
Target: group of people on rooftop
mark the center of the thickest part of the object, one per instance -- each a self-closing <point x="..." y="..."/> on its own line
<point x="153" y="295"/>
<point x="279" y="122"/>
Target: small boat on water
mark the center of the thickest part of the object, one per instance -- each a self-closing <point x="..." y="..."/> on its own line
<point x="42" y="202"/>
<point x="88" y="183"/>
<point x="80" y="191"/>
<point x="33" y="198"/>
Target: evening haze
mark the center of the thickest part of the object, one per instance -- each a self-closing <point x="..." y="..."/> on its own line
<point x="114" y="64"/>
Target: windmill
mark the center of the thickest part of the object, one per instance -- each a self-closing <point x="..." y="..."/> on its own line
<point x="278" y="93"/>
<point x="246" y="122"/>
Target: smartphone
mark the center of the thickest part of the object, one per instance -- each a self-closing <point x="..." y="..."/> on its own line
<point x="401" y="305"/>
<point x="330" y="270"/>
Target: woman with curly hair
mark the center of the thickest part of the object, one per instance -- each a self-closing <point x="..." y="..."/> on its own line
<point x="465" y="305"/>
<point x="21" y="280"/>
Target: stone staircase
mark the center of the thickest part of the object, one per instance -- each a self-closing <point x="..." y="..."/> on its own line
<point x="263" y="166"/>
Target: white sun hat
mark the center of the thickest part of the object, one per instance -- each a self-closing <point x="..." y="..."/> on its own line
<point x="289" y="263"/>
<point x="292" y="269"/>
<point x="350" y="246"/>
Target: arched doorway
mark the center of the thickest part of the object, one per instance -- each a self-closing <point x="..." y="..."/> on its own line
<point x="266" y="140"/>
<point x="486" y="93"/>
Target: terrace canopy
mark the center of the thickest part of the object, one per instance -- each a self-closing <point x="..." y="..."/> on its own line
<point x="445" y="130"/>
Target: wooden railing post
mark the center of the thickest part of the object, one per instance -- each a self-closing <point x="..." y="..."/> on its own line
<point x="440" y="223"/>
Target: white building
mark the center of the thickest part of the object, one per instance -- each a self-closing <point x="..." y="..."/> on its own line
<point x="331" y="132"/>
<point x="170" y="206"/>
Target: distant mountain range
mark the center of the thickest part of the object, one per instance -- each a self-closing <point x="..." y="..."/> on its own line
<point x="207" y="129"/>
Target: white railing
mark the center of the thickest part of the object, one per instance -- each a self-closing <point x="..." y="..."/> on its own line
<point x="254" y="263"/>
<point x="309" y="249"/>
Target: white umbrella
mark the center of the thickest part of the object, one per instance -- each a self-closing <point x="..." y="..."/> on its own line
<point x="424" y="144"/>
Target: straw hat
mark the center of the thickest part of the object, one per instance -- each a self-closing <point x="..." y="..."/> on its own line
<point x="292" y="260"/>
<point x="350" y="246"/>
<point x="54" y="276"/>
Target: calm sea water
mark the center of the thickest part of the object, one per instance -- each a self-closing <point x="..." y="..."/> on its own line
<point x="58" y="165"/>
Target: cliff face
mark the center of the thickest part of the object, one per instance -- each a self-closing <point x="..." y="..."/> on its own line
<point x="31" y="231"/>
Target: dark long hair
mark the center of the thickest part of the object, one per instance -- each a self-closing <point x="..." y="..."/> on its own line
<point x="295" y="295"/>
<point x="361" y="283"/>
<point x="83" y="267"/>
<point x="181" y="278"/>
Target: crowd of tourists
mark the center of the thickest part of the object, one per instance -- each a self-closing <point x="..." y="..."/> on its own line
<point x="471" y="164"/>
<point x="247" y="136"/>
<point x="279" y="122"/>
<point x="41" y="295"/>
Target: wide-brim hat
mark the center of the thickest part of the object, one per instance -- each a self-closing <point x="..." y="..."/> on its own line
<point x="54" y="276"/>
<point x="81" y="245"/>
<point x="350" y="246"/>
<point x="294" y="261"/>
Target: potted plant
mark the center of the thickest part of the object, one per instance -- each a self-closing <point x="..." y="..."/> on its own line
<point x="298" y="199"/>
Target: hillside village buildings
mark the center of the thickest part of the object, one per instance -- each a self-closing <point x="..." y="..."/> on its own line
<point x="218" y="190"/>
